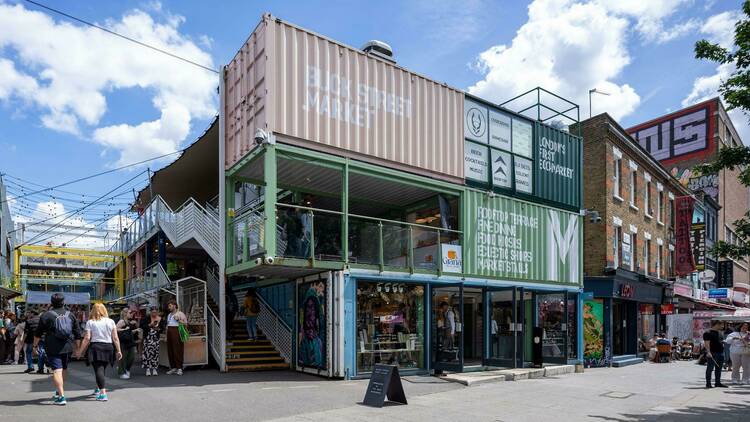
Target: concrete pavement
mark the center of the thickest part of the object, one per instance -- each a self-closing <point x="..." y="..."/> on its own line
<point x="646" y="392"/>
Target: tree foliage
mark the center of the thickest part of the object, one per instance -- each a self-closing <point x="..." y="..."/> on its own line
<point x="735" y="91"/>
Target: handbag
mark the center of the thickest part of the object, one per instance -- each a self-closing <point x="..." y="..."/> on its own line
<point x="184" y="334"/>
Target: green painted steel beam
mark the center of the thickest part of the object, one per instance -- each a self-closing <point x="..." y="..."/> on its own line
<point x="271" y="175"/>
<point x="256" y="153"/>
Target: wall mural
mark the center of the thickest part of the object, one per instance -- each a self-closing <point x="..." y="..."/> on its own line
<point x="594" y="352"/>
<point x="709" y="184"/>
<point x="311" y="322"/>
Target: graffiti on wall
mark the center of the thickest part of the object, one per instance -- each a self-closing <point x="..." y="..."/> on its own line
<point x="311" y="320"/>
<point x="595" y="354"/>
<point x="696" y="182"/>
<point x="676" y="136"/>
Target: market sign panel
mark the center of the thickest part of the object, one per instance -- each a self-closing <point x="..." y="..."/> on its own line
<point x="511" y="239"/>
<point x="475" y="121"/>
<point x="476" y="162"/>
<point x="500" y="136"/>
<point x="558" y="167"/>
<point x="501" y="165"/>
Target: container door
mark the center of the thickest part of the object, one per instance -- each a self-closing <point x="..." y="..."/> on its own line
<point x="447" y="328"/>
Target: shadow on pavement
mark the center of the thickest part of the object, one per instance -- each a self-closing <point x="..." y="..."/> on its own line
<point x="722" y="411"/>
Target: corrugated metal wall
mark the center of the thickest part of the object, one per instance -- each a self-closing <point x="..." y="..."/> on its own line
<point x="246" y="96"/>
<point x="510" y="239"/>
<point x="558" y="175"/>
<point x="337" y="96"/>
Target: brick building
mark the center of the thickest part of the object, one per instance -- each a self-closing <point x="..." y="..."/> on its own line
<point x="628" y="256"/>
<point x="692" y="136"/>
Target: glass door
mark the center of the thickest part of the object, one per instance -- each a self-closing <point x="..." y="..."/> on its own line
<point x="553" y="318"/>
<point x="502" y="314"/>
<point x="447" y="328"/>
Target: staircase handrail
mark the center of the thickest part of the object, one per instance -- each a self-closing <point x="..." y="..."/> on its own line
<point x="214" y="331"/>
<point x="276" y="329"/>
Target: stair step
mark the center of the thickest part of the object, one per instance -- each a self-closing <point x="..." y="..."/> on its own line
<point x="250" y="348"/>
<point x="250" y="342"/>
<point x="270" y="359"/>
<point x="253" y="353"/>
<point x="626" y="362"/>
<point x="258" y="367"/>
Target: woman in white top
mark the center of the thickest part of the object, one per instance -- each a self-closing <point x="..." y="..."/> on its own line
<point x="103" y="346"/>
<point x="739" y="351"/>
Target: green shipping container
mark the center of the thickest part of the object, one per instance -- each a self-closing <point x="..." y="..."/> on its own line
<point x="559" y="159"/>
<point x="511" y="239"/>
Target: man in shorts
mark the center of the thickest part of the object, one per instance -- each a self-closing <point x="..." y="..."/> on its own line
<point x="61" y="330"/>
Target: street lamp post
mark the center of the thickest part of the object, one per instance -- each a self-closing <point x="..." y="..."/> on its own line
<point x="592" y="91"/>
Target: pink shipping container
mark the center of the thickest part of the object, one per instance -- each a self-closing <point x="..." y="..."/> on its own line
<point x="314" y="92"/>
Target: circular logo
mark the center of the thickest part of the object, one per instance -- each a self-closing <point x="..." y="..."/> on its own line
<point x="476" y="122"/>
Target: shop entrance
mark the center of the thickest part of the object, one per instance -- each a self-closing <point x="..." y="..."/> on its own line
<point x="554" y="321"/>
<point x="505" y="316"/>
<point x="473" y="327"/>
<point x="447" y="328"/>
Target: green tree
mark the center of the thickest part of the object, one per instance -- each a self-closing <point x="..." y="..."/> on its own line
<point x="735" y="92"/>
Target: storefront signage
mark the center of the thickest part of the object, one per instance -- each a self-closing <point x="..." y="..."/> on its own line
<point x="667" y="309"/>
<point x="500" y="130"/>
<point x="698" y="241"/>
<point x="684" y="264"/>
<point x="707" y="276"/>
<point x="507" y="238"/>
<point x="683" y="290"/>
<point x="718" y="293"/>
<point x="476" y="163"/>
<point x="523" y="175"/>
<point x="522" y="138"/>
<point x="626" y="291"/>
<point x="646" y="309"/>
<point x="452" y="259"/>
<point x="501" y="169"/>
<point x="475" y="121"/>
<point x="726" y="274"/>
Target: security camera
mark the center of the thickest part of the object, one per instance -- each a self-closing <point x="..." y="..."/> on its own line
<point x="269" y="260"/>
<point x="260" y="136"/>
<point x="258" y="261"/>
<point x="594" y="217"/>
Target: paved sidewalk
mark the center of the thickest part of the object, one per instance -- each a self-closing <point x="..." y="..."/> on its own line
<point x="646" y="392"/>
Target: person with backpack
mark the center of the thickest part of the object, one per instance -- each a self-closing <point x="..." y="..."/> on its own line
<point x="251" y="307"/>
<point x="61" y="330"/>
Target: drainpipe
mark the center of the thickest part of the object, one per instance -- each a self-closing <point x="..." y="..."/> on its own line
<point x="222" y="225"/>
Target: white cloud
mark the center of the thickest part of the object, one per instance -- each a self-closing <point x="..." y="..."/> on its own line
<point x="650" y="17"/>
<point x="70" y="71"/>
<point x="720" y="28"/>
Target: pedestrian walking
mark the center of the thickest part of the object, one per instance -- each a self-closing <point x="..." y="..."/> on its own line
<point x="152" y="328"/>
<point x="727" y="356"/>
<point x="101" y="345"/>
<point x="714" y="354"/>
<point x="20" y="334"/>
<point x="251" y="309"/>
<point x="739" y="349"/>
<point x="32" y="322"/>
<point x="10" y="338"/>
<point x="126" y="331"/>
<point x="61" y="330"/>
<point x="175" y="347"/>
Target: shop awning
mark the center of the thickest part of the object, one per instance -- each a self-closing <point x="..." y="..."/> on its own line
<point x="710" y="304"/>
<point x="8" y="293"/>
<point x="44" y="298"/>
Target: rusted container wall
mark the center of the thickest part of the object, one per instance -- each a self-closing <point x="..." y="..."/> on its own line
<point x="246" y="95"/>
<point x="336" y="98"/>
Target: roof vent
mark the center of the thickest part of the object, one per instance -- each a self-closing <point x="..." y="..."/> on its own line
<point x="379" y="49"/>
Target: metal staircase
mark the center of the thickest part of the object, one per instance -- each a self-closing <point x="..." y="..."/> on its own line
<point x="189" y="221"/>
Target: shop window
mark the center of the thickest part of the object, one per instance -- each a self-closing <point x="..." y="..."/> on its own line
<point x="572" y="326"/>
<point x="617" y="176"/>
<point x="390" y="325"/>
<point x="633" y="187"/>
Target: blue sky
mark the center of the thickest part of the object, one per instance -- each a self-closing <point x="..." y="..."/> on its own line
<point x="74" y="101"/>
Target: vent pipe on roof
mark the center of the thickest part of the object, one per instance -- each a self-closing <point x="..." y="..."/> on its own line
<point x="379" y="49"/>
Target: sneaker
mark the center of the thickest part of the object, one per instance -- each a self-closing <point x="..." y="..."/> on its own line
<point x="101" y="397"/>
<point x="148" y="372"/>
<point x="720" y="385"/>
<point x="96" y="392"/>
<point x="28" y="370"/>
<point x="56" y="395"/>
<point x="179" y="372"/>
<point x="125" y="376"/>
<point x="60" y="401"/>
<point x="171" y="371"/>
<point x="154" y="373"/>
<point x="40" y="371"/>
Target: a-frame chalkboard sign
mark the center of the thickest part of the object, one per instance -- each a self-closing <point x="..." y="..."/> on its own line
<point x="385" y="382"/>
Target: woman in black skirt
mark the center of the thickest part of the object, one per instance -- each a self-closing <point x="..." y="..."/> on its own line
<point x="103" y="346"/>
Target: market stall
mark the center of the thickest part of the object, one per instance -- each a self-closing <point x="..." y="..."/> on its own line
<point x="190" y="294"/>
